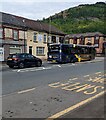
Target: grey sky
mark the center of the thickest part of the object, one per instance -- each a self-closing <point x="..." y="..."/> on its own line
<point x="38" y="9"/>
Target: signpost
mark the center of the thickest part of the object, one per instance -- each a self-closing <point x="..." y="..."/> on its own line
<point x="1" y="54"/>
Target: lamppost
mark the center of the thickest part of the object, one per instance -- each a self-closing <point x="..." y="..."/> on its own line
<point x="24" y="42"/>
<point x="24" y="36"/>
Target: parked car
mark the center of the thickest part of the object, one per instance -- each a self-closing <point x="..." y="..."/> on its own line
<point x="22" y="60"/>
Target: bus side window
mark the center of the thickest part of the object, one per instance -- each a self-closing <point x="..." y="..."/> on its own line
<point x="72" y="50"/>
<point x="77" y="50"/>
<point x="82" y="50"/>
<point x="66" y="49"/>
<point x="63" y="49"/>
<point x="90" y="50"/>
<point x="86" y="50"/>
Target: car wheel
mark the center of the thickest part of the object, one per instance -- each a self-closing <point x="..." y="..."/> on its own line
<point x="11" y="66"/>
<point x="21" y="65"/>
<point x="39" y="64"/>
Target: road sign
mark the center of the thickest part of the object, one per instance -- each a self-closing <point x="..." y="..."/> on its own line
<point x="1" y="54"/>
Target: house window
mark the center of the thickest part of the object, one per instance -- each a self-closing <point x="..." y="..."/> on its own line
<point x="57" y="39"/>
<point x="45" y="37"/>
<point x="53" y="39"/>
<point x="89" y="39"/>
<point x="40" y="51"/>
<point x="49" y="39"/>
<point x="35" y="37"/>
<point x="40" y="37"/>
<point x="75" y="41"/>
<point x="1" y="32"/>
<point x="96" y="41"/>
<point x="61" y="39"/>
<point x="15" y="34"/>
<point x="66" y="41"/>
<point x="82" y="40"/>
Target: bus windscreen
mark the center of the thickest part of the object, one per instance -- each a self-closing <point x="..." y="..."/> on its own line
<point x="53" y="48"/>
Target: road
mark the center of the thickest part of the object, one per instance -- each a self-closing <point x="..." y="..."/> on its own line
<point x="53" y="90"/>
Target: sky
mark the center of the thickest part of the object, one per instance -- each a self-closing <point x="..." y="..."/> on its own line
<point x="39" y="9"/>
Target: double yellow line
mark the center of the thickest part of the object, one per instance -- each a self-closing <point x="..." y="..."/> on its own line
<point x="57" y="115"/>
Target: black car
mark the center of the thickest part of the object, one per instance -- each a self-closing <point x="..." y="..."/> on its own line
<point x="22" y="60"/>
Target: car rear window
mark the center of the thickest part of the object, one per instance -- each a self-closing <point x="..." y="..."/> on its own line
<point x="12" y="56"/>
<point x="22" y="55"/>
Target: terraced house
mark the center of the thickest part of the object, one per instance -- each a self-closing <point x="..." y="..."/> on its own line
<point x="96" y="39"/>
<point x="18" y="34"/>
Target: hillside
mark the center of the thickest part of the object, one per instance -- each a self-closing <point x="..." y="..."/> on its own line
<point x="80" y="19"/>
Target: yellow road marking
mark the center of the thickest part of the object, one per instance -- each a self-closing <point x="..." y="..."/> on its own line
<point x="58" y="84"/>
<point x="94" y="80"/>
<point x="98" y="80"/>
<point x="84" y="88"/>
<point x="86" y="76"/>
<point x="24" y="91"/>
<point x="94" y="90"/>
<point x="57" y="115"/>
<point x="74" y="78"/>
<point x="68" y="87"/>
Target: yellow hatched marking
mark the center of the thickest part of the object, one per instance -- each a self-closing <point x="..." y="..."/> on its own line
<point x="58" y="84"/>
<point x="86" y="76"/>
<point x="94" y="90"/>
<point x="86" y="87"/>
<point x="68" y="87"/>
<point x="97" y="73"/>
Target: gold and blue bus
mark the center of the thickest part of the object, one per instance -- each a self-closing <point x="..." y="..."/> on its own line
<point x="64" y="53"/>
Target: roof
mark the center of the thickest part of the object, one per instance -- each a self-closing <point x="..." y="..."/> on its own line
<point x="88" y="34"/>
<point x="25" y="23"/>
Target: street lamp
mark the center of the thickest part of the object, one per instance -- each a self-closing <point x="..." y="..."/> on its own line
<point x="24" y="35"/>
<point x="24" y="42"/>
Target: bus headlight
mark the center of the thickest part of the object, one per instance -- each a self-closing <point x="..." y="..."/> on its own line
<point x="50" y="56"/>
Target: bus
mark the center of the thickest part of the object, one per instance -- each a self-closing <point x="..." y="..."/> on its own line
<point x="64" y="53"/>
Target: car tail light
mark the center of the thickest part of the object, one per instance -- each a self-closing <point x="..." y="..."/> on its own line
<point x="16" y="59"/>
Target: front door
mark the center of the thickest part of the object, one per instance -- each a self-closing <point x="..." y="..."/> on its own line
<point x="30" y="50"/>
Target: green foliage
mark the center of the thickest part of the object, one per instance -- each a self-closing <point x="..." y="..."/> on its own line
<point x="81" y="19"/>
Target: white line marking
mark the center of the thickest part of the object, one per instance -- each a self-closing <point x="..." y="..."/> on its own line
<point x="59" y="65"/>
<point x="57" y="115"/>
<point x="33" y="70"/>
<point x="73" y="64"/>
<point x="24" y="91"/>
<point x="39" y="69"/>
<point x="48" y="68"/>
<point x="18" y="70"/>
<point x="15" y="93"/>
<point x="43" y="68"/>
<point x="14" y="70"/>
<point x="8" y="94"/>
<point x="56" y="65"/>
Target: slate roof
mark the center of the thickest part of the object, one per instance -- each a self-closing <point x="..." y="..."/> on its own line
<point x="88" y="34"/>
<point x="25" y="23"/>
